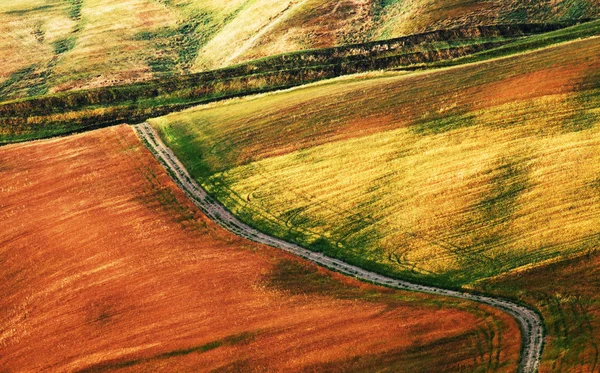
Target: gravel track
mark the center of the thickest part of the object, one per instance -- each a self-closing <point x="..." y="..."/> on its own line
<point x="530" y="323"/>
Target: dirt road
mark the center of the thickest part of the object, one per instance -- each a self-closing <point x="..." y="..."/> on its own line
<point x="532" y="330"/>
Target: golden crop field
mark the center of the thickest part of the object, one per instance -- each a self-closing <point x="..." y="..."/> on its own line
<point x="410" y="175"/>
<point x="107" y="266"/>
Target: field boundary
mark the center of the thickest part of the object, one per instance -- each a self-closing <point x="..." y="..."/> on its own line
<point x="529" y="321"/>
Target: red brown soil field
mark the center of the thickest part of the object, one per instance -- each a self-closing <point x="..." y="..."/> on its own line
<point x="105" y="265"/>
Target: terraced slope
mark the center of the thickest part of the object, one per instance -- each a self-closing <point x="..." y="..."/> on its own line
<point x="107" y="266"/>
<point x="59" y="45"/>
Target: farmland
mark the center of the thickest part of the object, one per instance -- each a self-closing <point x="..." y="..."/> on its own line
<point x="311" y="149"/>
<point x="450" y="177"/>
<point x="451" y="188"/>
<point x="54" y="46"/>
<point x="107" y="266"/>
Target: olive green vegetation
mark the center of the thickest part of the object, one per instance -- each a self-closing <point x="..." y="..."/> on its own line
<point x="534" y="42"/>
<point x="68" y="112"/>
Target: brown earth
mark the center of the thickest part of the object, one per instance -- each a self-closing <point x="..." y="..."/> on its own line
<point x="106" y="265"/>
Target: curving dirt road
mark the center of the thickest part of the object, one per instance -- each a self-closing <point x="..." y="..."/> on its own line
<point x="530" y="323"/>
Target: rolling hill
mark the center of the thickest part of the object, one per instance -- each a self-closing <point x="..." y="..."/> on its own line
<point x="59" y="45"/>
<point x="453" y="144"/>
<point x="471" y="146"/>
<point x="106" y="266"/>
<point x="453" y="177"/>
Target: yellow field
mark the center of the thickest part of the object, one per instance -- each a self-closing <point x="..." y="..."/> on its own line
<point x="409" y="176"/>
<point x="419" y="201"/>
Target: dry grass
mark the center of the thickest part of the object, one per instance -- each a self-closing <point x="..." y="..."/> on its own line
<point x="106" y="51"/>
<point x="396" y="18"/>
<point x="107" y="266"/>
<point x="314" y="24"/>
<point x="240" y="34"/>
<point x="19" y="46"/>
<point x="51" y="46"/>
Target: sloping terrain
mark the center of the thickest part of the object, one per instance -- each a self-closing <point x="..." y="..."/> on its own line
<point x="58" y="45"/>
<point x="67" y="112"/>
<point x="107" y="266"/>
<point x="451" y="175"/>
<point x="396" y="17"/>
<point x="322" y="23"/>
<point x="446" y="177"/>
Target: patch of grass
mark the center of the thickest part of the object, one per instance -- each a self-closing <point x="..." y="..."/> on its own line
<point x="179" y="46"/>
<point x="64" y="45"/>
<point x="9" y="86"/>
<point x="439" y="123"/>
<point x="75" y="7"/>
<point x="23" y="12"/>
